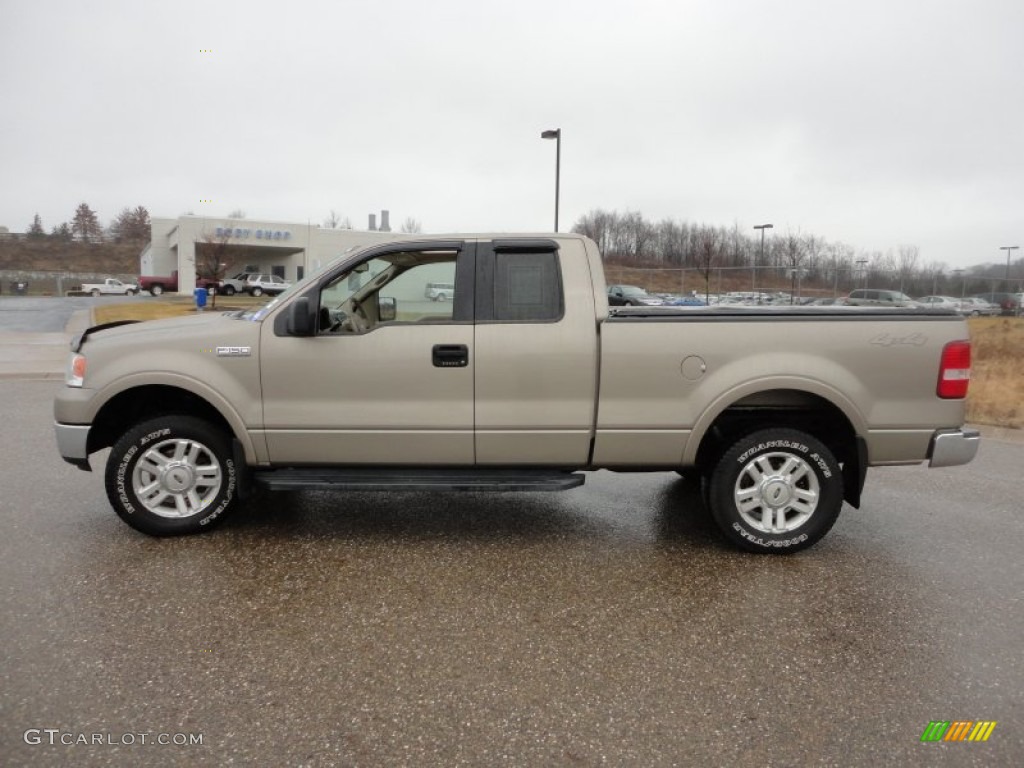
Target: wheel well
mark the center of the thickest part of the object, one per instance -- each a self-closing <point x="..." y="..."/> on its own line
<point x="142" y="403"/>
<point x="780" y="408"/>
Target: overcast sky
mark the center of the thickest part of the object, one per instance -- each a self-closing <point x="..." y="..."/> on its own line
<point x="876" y="123"/>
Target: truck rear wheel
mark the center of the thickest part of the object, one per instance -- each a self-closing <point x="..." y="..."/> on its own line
<point x="95" y="293"/>
<point x="776" y="490"/>
<point x="228" y="290"/>
<point x="172" y="475"/>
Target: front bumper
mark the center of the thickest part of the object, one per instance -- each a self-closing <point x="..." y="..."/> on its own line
<point x="951" y="447"/>
<point x="72" y="443"/>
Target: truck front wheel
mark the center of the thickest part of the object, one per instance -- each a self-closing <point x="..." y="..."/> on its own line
<point x="172" y="475"/>
<point x="776" y="490"/>
<point x="156" y="290"/>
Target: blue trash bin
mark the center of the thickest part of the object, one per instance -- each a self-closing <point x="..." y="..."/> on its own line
<point x="200" y="294"/>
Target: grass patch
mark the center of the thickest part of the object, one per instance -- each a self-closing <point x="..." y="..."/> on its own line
<point x="997" y="379"/>
<point x="158" y="309"/>
<point x="996" y="394"/>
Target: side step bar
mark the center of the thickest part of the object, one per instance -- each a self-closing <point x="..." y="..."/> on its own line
<point x="416" y="479"/>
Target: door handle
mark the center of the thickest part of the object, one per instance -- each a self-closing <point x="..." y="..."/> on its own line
<point x="450" y="355"/>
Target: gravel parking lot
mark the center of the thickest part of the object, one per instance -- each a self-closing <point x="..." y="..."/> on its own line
<point x="609" y="625"/>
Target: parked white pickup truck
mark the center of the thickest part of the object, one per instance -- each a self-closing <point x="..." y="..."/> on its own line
<point x="523" y="382"/>
<point x="110" y="287"/>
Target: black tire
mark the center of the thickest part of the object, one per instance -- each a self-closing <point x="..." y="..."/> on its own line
<point x="164" y="454"/>
<point x="156" y="290"/>
<point x="256" y="292"/>
<point x="228" y="290"/>
<point x="129" y="292"/>
<point x="800" y="489"/>
<point x="95" y="293"/>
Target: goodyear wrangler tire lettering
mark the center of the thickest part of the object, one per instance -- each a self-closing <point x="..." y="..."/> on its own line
<point x="776" y="490"/>
<point x="172" y="475"/>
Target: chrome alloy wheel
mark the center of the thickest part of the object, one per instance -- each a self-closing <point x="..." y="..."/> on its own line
<point x="776" y="492"/>
<point x="177" y="478"/>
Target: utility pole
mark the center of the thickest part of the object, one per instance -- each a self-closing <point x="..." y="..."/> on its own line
<point x="1008" y="249"/>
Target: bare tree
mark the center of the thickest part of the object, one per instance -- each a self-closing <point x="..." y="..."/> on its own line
<point x="212" y="253"/>
<point x="132" y="226"/>
<point x="907" y="264"/>
<point x="238" y="213"/>
<point x="708" y="243"/>
<point x="337" y="221"/>
<point x="792" y="249"/>
<point x="411" y="226"/>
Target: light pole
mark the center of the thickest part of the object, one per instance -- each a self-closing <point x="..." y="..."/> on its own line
<point x="556" y="134"/>
<point x="1008" y="249"/>
<point x="863" y="269"/>
<point x="753" y="277"/>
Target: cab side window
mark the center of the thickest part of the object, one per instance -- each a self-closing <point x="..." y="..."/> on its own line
<point x="527" y="287"/>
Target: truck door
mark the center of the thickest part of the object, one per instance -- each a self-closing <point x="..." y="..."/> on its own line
<point x="388" y="376"/>
<point x="536" y="353"/>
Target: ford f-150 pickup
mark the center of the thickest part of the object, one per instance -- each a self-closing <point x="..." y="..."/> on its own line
<point x="110" y="287"/>
<point x="525" y="381"/>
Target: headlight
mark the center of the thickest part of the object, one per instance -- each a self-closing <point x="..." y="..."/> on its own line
<point x="74" y="376"/>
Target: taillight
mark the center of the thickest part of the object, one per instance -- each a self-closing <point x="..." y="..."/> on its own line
<point x="954" y="370"/>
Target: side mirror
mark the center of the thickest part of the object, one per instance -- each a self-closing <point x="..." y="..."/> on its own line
<point x="387" y="308"/>
<point x="300" y="319"/>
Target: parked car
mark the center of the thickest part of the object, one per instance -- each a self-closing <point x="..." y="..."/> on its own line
<point x="686" y="301"/>
<point x="1008" y="303"/>
<point x="253" y="283"/>
<point x="631" y="296"/>
<point x="979" y="307"/>
<point x="874" y="297"/>
<point x="272" y="285"/>
<point x="943" y="302"/>
<point x="229" y="286"/>
<point x="440" y="291"/>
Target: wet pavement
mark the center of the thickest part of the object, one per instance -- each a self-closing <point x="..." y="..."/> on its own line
<point x="609" y="625"/>
<point x="35" y="332"/>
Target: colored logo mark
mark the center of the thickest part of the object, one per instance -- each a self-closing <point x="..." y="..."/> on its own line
<point x="958" y="730"/>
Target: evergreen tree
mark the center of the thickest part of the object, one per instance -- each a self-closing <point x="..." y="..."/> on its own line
<point x="36" y="231"/>
<point x="85" y="227"/>
<point x="62" y="232"/>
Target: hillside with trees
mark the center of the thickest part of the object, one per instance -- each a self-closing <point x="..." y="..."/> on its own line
<point x="731" y="258"/>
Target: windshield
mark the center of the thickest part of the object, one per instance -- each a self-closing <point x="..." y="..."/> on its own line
<point x="256" y="314"/>
<point x="632" y="290"/>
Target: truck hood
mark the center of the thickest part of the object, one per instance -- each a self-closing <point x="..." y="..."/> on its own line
<point x="173" y="327"/>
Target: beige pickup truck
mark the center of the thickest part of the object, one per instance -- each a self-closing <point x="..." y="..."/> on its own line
<point x="524" y="381"/>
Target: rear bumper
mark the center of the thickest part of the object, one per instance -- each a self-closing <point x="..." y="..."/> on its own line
<point x="951" y="447"/>
<point x="72" y="443"/>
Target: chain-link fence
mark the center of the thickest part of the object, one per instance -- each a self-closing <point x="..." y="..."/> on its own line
<point x="19" y="282"/>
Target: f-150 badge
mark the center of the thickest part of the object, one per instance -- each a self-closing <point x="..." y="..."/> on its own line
<point x="234" y="351"/>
